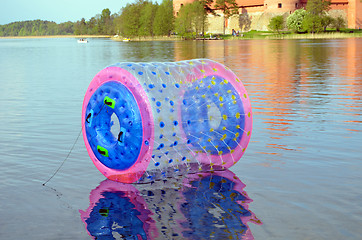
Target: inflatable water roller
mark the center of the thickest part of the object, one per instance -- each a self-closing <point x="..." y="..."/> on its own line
<point x="148" y="121"/>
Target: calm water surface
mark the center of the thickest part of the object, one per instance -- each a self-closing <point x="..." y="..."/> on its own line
<point x="300" y="176"/>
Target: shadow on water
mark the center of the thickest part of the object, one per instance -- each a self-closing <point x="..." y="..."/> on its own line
<point x="196" y="206"/>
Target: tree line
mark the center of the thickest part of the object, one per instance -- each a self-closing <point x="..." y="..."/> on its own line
<point x="142" y="18"/>
<point x="145" y="18"/>
<point x="101" y="24"/>
<point x="36" y="28"/>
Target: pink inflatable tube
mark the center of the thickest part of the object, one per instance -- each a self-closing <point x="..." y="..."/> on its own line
<point x="146" y="121"/>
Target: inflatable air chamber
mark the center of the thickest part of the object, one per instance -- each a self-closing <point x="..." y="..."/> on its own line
<point x="148" y="121"/>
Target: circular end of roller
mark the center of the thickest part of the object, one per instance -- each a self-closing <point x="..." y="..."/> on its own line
<point x="117" y="125"/>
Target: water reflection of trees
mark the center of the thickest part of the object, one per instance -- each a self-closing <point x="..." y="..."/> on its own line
<point x="185" y="50"/>
<point x="148" y="51"/>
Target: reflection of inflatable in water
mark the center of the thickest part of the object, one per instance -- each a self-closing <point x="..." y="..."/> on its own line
<point x="143" y="118"/>
<point x="118" y="210"/>
<point x="197" y="206"/>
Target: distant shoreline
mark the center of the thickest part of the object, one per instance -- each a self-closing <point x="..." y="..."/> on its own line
<point x="269" y="36"/>
<point x="57" y="36"/>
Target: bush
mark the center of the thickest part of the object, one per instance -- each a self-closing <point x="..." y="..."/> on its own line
<point x="276" y="23"/>
<point x="313" y="23"/>
<point x="327" y="21"/>
<point x="295" y="20"/>
<point x="339" y="23"/>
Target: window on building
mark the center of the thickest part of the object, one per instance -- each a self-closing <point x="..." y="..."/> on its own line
<point x="279" y="5"/>
<point x="182" y="5"/>
<point x="296" y="5"/>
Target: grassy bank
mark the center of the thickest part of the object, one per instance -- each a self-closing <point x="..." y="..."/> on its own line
<point x="316" y="36"/>
<point x="149" y="38"/>
<point x="290" y="35"/>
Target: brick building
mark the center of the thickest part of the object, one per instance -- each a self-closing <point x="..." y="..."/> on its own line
<point x="256" y="14"/>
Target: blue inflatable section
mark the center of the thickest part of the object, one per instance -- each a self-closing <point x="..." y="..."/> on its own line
<point x="121" y="151"/>
<point x="196" y="105"/>
<point x="115" y="208"/>
<point x="207" y="196"/>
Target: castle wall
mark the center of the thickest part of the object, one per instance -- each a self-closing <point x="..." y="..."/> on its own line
<point x="279" y="6"/>
<point x="251" y="21"/>
<point x="355" y="14"/>
<point x="256" y="14"/>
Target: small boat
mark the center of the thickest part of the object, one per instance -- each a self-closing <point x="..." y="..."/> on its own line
<point x="82" y="40"/>
<point x="126" y="40"/>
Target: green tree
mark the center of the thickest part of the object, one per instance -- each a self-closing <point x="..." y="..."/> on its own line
<point x="148" y="12"/>
<point x="22" y="32"/>
<point x="208" y="6"/>
<point x="191" y="19"/>
<point x="199" y="17"/>
<point x="316" y="10"/>
<point x="92" y="26"/>
<point x="183" y="22"/>
<point x="66" y="28"/>
<point x="276" y="23"/>
<point x="327" y="21"/>
<point x="313" y="23"/>
<point x="105" y="22"/>
<point x="28" y="25"/>
<point x="339" y="23"/>
<point x="318" y="7"/>
<point x="164" y="20"/>
<point x="80" y="27"/>
<point x="129" y="20"/>
<point x="228" y="8"/>
<point x="83" y="26"/>
<point x="53" y="28"/>
<point x="295" y="20"/>
<point x="34" y="31"/>
<point x="207" y="9"/>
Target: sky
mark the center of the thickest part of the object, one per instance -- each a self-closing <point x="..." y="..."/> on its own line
<point x="57" y="10"/>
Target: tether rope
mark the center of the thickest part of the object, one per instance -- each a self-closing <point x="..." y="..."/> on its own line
<point x="71" y="149"/>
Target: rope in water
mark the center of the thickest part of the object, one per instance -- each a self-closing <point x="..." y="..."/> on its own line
<point x="71" y="149"/>
<point x="66" y="158"/>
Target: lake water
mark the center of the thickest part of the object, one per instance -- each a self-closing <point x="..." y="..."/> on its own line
<point x="301" y="174"/>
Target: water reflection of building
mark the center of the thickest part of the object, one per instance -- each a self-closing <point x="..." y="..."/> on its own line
<point x="273" y="63"/>
<point x="286" y="78"/>
<point x="255" y="14"/>
<point x="353" y="69"/>
<point x="198" y="206"/>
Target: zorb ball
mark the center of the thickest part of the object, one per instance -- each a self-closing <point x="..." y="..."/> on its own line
<point x="148" y="121"/>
